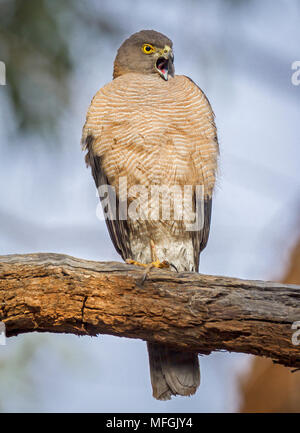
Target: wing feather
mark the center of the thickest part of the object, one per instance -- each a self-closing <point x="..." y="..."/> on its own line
<point x="118" y="229"/>
<point x="200" y="237"/>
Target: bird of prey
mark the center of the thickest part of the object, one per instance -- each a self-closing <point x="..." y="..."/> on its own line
<point x="152" y="130"/>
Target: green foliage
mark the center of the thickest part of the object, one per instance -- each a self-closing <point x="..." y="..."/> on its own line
<point x="37" y="58"/>
<point x="35" y="44"/>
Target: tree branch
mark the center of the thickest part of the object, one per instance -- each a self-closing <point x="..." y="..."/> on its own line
<point x="188" y="311"/>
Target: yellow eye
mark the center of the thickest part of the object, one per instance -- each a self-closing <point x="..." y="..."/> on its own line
<point x="148" y="49"/>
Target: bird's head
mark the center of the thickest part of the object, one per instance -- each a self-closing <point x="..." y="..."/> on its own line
<point x="145" y="52"/>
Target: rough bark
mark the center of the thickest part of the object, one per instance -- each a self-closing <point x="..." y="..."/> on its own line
<point x="188" y="311"/>
<point x="269" y="387"/>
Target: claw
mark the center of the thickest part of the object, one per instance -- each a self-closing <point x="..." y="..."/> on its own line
<point x="154" y="264"/>
<point x="173" y="266"/>
<point x="148" y="266"/>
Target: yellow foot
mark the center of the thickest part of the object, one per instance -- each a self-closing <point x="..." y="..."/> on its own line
<point x="148" y="267"/>
<point x="155" y="264"/>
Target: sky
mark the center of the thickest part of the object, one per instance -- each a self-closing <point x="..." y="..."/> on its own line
<point x="241" y="57"/>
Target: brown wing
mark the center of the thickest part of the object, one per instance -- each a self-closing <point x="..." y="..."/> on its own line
<point x="118" y="229"/>
<point x="200" y="237"/>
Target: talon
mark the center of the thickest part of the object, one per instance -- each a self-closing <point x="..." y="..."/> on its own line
<point x="156" y="263"/>
<point x="173" y="266"/>
<point x="149" y="266"/>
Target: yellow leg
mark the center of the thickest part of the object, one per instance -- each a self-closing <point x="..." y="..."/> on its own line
<point x="154" y="264"/>
<point x="153" y="251"/>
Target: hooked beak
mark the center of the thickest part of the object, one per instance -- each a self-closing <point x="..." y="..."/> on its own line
<point x="164" y="63"/>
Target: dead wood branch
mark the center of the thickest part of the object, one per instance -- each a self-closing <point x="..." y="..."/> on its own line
<point x="188" y="311"/>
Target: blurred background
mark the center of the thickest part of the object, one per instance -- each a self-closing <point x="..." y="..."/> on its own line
<point x="57" y="55"/>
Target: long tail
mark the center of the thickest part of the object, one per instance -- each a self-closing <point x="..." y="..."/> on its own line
<point x="172" y="372"/>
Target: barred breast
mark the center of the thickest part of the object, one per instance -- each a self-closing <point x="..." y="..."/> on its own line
<point x="154" y="131"/>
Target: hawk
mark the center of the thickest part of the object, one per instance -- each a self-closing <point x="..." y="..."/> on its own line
<point x="154" y="131"/>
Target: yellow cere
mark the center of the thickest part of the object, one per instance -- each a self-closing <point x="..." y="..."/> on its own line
<point x="148" y="49"/>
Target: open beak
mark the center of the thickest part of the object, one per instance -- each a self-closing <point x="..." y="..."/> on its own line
<point x="164" y="64"/>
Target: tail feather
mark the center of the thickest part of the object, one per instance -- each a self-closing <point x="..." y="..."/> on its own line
<point x="172" y="372"/>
